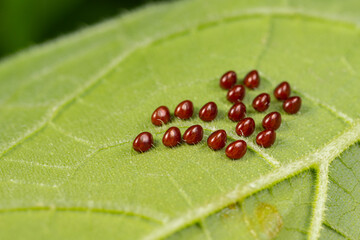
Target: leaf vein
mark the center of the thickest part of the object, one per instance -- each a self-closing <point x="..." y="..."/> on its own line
<point x="325" y="154"/>
<point x="54" y="111"/>
<point x="319" y="208"/>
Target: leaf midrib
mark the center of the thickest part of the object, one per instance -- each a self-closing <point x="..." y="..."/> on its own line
<point x="239" y="194"/>
<point x="324" y="155"/>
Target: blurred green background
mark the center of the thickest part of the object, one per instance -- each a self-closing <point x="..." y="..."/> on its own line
<point x="27" y="22"/>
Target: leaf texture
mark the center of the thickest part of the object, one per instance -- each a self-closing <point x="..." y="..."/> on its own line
<point x="71" y="108"/>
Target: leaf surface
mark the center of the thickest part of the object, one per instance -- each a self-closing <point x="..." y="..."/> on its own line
<point x="71" y="108"/>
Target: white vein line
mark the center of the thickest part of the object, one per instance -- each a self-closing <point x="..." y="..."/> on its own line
<point x="319" y="208"/>
<point x="36" y="163"/>
<point x="35" y="77"/>
<point x="39" y="75"/>
<point x="53" y="111"/>
<point x="56" y="108"/>
<point x="112" y="144"/>
<point x="271" y="160"/>
<point x="325" y="154"/>
<point x="233" y="196"/>
<point x="90" y="206"/>
<point x="332" y="109"/>
<point x="180" y="189"/>
<point x="90" y="105"/>
<point x="25" y="105"/>
<point x="69" y="135"/>
<point x="339" y="144"/>
<point x="39" y="184"/>
<point x="97" y="77"/>
<point x="346" y="62"/>
<point x="188" y="201"/>
<point x="89" y="156"/>
<point x="205" y="229"/>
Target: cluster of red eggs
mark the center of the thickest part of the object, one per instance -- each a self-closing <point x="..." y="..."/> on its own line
<point x="237" y="113"/>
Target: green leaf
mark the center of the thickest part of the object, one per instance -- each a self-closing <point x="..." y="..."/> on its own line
<point x="71" y="108"/>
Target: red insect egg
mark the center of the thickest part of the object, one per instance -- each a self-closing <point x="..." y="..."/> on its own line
<point x="217" y="140"/>
<point x="292" y="105"/>
<point x="172" y="137"/>
<point x="282" y="91"/>
<point x="143" y="142"/>
<point x="160" y="116"/>
<point x="184" y="110"/>
<point x="236" y="150"/>
<point x="208" y="112"/>
<point x="252" y="79"/>
<point x="228" y="80"/>
<point x="272" y="121"/>
<point x="261" y="102"/>
<point x="237" y="112"/>
<point x="245" y="127"/>
<point x="236" y="93"/>
<point x="266" y="138"/>
<point x="193" y="134"/>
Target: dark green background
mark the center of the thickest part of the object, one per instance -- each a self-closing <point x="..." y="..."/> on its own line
<point x="27" y="22"/>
